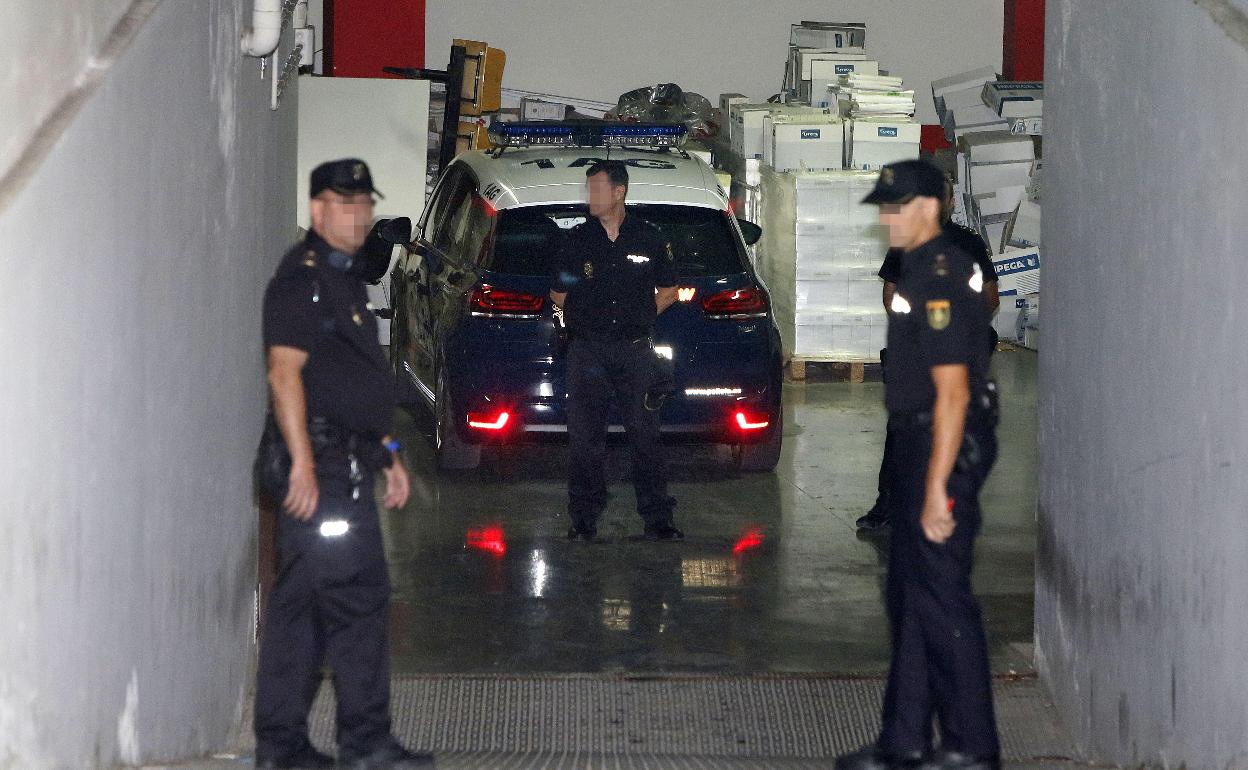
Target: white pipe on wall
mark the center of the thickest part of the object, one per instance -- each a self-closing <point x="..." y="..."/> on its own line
<point x="266" y="29"/>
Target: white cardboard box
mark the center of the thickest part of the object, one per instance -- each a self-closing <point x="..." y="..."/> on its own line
<point x="814" y="143"/>
<point x="998" y="147"/>
<point x="1026" y="126"/>
<point x="828" y="35"/>
<point x="728" y="101"/>
<point x="752" y="124"/>
<point x="829" y="69"/>
<point x="1015" y="99"/>
<point x="1023" y="230"/>
<point x="875" y="144"/>
<point x="805" y="59"/>
<point x="1018" y="274"/>
<point x="963" y="80"/>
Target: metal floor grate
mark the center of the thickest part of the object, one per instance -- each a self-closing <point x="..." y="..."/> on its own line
<point x="579" y="718"/>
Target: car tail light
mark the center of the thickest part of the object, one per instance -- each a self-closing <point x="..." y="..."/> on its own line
<point x="493" y="422"/>
<point x="487" y="300"/>
<point x="736" y="303"/>
<point x="748" y="422"/>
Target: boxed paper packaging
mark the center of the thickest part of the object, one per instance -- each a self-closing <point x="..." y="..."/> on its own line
<point x="875" y="144"/>
<point x="828" y="35"/>
<point x="1023" y="230"/>
<point x="1015" y="99"/>
<point x="810" y="142"/>
<point x="1018" y="274"/>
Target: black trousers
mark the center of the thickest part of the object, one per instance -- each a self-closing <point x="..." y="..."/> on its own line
<point x="329" y="606"/>
<point x="599" y="371"/>
<point x="940" y="655"/>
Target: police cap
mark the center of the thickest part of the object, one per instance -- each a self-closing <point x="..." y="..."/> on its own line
<point x="347" y="176"/>
<point x="903" y="182"/>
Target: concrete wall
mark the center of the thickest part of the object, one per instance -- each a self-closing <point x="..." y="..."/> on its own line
<point x="132" y="266"/>
<point x="1141" y="617"/>
<point x="600" y="50"/>
<point x="46" y="46"/>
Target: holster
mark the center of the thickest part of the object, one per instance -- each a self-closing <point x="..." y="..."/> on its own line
<point x="273" y="461"/>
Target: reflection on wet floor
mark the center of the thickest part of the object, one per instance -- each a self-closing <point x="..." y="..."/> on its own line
<point x="771" y="578"/>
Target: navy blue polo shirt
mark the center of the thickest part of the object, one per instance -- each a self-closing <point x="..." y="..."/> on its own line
<point x="324" y="311"/>
<point x="938" y="317"/>
<point x="611" y="285"/>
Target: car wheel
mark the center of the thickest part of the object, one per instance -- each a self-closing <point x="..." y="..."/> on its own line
<point x="762" y="458"/>
<point x="454" y="454"/>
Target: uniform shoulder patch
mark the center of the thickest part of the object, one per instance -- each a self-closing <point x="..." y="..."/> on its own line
<point x="939" y="314"/>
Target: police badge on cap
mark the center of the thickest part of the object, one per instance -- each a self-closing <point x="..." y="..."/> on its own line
<point x="347" y="176"/>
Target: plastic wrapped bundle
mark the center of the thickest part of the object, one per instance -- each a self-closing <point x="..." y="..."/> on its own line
<point x="667" y="103"/>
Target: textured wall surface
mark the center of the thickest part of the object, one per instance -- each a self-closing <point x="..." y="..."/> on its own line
<point x="1141" y="608"/>
<point x="600" y="50"/>
<point x="47" y="45"/>
<point x="131" y="392"/>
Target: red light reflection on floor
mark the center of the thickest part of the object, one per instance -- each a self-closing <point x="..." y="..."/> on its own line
<point x="749" y="541"/>
<point x="488" y="539"/>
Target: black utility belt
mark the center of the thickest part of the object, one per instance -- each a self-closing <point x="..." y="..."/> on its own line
<point x="368" y="449"/>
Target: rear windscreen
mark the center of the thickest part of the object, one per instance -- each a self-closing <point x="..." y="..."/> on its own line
<point x="703" y="242"/>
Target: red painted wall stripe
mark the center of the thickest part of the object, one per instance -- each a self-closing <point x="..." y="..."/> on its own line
<point x="1023" y="50"/>
<point x="362" y="36"/>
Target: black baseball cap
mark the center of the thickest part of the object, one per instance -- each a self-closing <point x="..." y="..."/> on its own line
<point x="903" y="182"/>
<point x="347" y="176"/>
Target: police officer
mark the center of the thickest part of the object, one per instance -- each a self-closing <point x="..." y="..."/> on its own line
<point x="972" y="243"/>
<point x="614" y="275"/>
<point x="942" y="408"/>
<point x="333" y="400"/>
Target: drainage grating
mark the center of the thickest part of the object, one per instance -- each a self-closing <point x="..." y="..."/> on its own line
<point x="576" y="718"/>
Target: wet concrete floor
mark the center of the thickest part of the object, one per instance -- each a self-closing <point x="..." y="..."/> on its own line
<point x="772" y="578"/>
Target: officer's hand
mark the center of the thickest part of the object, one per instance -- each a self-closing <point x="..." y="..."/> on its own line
<point x="397" y="485"/>
<point x="937" y="519"/>
<point x="301" y="499"/>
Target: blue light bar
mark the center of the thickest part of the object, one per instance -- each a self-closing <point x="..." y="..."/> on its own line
<point x="586" y="134"/>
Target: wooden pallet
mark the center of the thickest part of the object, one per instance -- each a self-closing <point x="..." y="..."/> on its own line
<point x="851" y="371"/>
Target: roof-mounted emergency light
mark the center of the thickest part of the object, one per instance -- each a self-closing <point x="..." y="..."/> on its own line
<point x="571" y="134"/>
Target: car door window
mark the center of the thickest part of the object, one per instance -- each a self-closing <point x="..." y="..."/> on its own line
<point x="471" y="231"/>
<point x="435" y="211"/>
<point x="453" y="216"/>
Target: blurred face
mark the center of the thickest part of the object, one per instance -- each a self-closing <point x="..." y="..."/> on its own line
<point x="911" y="224"/>
<point x="343" y="220"/>
<point x="604" y="197"/>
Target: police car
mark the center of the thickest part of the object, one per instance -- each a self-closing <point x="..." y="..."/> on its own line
<point x="474" y="337"/>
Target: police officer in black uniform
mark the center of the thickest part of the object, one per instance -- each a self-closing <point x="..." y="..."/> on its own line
<point x="333" y="402"/>
<point x="614" y="275"/>
<point x="972" y="243"/>
<point x="942" y="408"/>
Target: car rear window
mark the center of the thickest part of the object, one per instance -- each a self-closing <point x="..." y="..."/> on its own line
<point x="703" y="242"/>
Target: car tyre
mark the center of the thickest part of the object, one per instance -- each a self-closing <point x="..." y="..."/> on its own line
<point x="762" y="457"/>
<point x="454" y="454"/>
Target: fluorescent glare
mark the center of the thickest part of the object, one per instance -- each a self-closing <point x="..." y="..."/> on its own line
<point x="685" y="294"/>
<point x="664" y="351"/>
<point x="334" y="528"/>
<point x="900" y="304"/>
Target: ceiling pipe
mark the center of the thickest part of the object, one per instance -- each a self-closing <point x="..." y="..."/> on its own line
<point x="266" y="29"/>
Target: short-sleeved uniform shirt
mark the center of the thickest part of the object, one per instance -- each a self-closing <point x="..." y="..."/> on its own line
<point x="966" y="239"/>
<point x="610" y="285"/>
<point x="324" y="311"/>
<point x="938" y="317"/>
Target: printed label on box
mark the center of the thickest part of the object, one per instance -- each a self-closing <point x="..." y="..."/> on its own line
<point x="844" y="69"/>
<point x="1020" y="265"/>
<point x="810" y="133"/>
<point x="888" y="131"/>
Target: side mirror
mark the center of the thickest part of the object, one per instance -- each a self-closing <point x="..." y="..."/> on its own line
<point x="397" y="231"/>
<point x="750" y="232"/>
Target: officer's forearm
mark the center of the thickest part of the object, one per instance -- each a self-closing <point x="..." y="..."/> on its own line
<point x="953" y="396"/>
<point x="890" y="289"/>
<point x="291" y="412"/>
<point x="664" y="298"/>
<point x="558" y="297"/>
